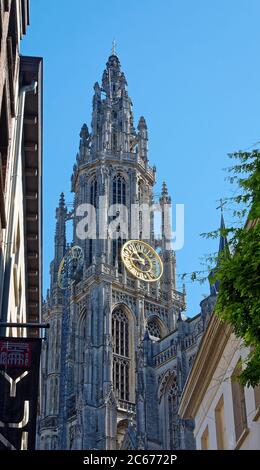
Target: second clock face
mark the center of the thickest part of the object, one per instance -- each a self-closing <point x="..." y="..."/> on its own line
<point x="72" y="261"/>
<point x="142" y="261"/>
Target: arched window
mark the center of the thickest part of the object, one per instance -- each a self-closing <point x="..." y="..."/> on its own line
<point x="93" y="202"/>
<point x="173" y="416"/>
<point x="168" y="409"/>
<point x="114" y="142"/>
<point x="80" y="349"/>
<point x="119" y="190"/>
<point x="93" y="192"/>
<point x="119" y="197"/>
<point x="154" y="328"/>
<point x="121" y="356"/>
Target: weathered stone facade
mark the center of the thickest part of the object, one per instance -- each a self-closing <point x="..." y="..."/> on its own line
<point x="20" y="174"/>
<point x="119" y="350"/>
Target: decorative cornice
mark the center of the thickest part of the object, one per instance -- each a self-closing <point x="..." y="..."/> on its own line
<point x="209" y="354"/>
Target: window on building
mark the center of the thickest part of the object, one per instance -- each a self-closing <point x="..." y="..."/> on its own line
<point x="119" y="190"/>
<point x="121" y="356"/>
<point x="173" y="416"/>
<point x="93" y="202"/>
<point x="239" y="405"/>
<point x="154" y="328"/>
<point x="205" y="439"/>
<point x="93" y="192"/>
<point x="114" y="142"/>
<point x="119" y="197"/>
<point x="220" y="425"/>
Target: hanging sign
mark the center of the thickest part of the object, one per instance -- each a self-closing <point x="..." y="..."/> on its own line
<point x="19" y="382"/>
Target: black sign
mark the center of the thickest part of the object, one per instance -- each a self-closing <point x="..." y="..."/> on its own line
<point x="19" y="382"/>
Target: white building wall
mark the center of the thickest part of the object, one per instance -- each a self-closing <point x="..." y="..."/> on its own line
<point x="221" y="385"/>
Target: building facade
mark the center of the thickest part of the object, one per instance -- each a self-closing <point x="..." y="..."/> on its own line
<point x="119" y="349"/>
<point x="226" y="414"/>
<point x="20" y="172"/>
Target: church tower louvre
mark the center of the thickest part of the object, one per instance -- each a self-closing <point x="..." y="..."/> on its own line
<point x="115" y="346"/>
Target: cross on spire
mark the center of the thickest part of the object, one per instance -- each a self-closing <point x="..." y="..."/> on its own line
<point x="221" y="206"/>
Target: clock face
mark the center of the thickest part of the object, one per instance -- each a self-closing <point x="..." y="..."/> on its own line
<point x="142" y="261"/>
<point x="69" y="266"/>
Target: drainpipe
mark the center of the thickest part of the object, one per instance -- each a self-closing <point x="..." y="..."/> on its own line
<point x="10" y="221"/>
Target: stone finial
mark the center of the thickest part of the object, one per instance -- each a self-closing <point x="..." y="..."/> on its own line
<point x="62" y="201"/>
<point x="164" y="189"/>
<point x="84" y="133"/>
<point x="142" y="124"/>
<point x="113" y="51"/>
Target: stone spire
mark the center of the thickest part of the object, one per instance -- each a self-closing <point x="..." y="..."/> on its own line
<point x="143" y="138"/>
<point x="223" y="247"/>
<point x="165" y="198"/>
<point x="113" y="80"/>
<point x="60" y="232"/>
<point x="168" y="256"/>
<point x="112" y="118"/>
<point x="165" y="202"/>
<point x="223" y="243"/>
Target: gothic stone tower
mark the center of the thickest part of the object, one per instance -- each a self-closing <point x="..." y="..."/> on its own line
<point x="104" y="360"/>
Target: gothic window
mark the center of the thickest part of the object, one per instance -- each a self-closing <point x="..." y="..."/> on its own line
<point x="154" y="328"/>
<point x="173" y="416"/>
<point x="93" y="202"/>
<point x="121" y="356"/>
<point x="81" y="345"/>
<point x="119" y="197"/>
<point x="114" y="142"/>
<point x="93" y="192"/>
<point x="119" y="190"/>
<point x="140" y="191"/>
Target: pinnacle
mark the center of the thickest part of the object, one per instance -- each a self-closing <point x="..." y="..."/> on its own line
<point x="164" y="189"/>
<point x="62" y="200"/>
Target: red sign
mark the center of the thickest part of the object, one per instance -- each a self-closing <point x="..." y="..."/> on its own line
<point x="19" y="374"/>
<point x="18" y="354"/>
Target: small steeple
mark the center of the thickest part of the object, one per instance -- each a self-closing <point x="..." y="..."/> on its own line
<point x="142" y="124"/>
<point x="164" y="189"/>
<point x="112" y="118"/>
<point x="165" y="198"/>
<point x="223" y="247"/>
<point x="62" y="201"/>
<point x="114" y="47"/>
<point x="223" y="243"/>
<point x="143" y="139"/>
<point x="60" y="232"/>
<point x="84" y="133"/>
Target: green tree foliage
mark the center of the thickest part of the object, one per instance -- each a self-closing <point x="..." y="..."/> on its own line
<point x="238" y="271"/>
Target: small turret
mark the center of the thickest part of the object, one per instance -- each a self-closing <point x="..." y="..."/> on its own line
<point x="60" y="232"/>
<point x="143" y="138"/>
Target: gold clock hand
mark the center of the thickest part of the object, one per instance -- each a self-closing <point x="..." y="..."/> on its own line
<point x="140" y="260"/>
<point x="137" y="254"/>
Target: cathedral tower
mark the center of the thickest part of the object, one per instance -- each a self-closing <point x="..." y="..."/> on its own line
<point x="112" y="335"/>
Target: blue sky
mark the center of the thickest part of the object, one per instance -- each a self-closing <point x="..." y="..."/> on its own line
<point x="193" y="71"/>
